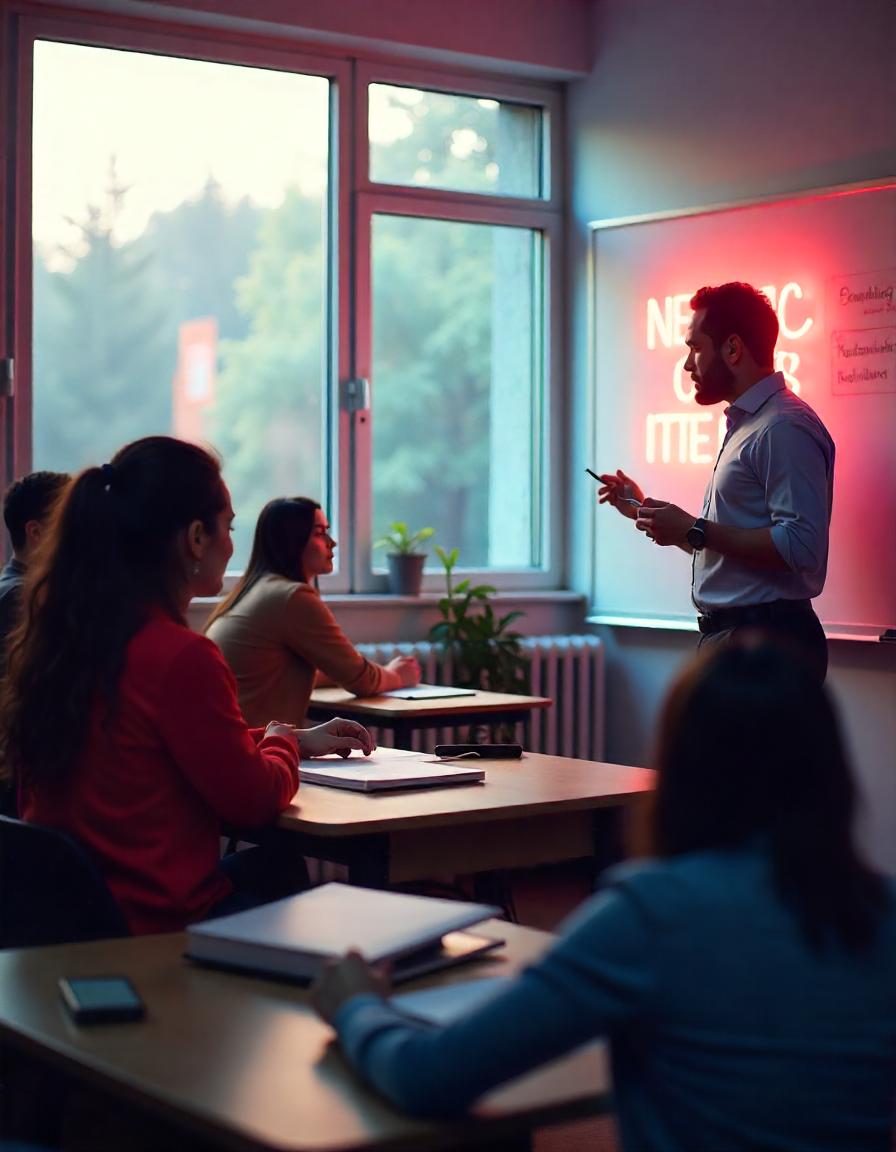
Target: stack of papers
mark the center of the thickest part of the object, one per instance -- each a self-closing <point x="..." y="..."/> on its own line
<point x="386" y="768"/>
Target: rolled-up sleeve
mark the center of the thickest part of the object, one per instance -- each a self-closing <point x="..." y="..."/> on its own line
<point x="795" y="463"/>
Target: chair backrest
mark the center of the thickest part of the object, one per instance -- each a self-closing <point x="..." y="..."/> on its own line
<point x="51" y="892"/>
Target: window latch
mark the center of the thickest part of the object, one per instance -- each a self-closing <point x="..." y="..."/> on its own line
<point x="7" y="377"/>
<point x="355" y="395"/>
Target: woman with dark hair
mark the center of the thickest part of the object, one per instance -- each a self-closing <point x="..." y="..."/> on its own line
<point x="745" y="977"/>
<point x="120" y="725"/>
<point x="276" y="633"/>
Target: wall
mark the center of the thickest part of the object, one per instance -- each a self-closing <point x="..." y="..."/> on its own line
<point x="700" y="103"/>
<point x="532" y="38"/>
<point x="376" y="619"/>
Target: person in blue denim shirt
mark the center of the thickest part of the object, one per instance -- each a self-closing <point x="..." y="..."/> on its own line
<point x="744" y="976"/>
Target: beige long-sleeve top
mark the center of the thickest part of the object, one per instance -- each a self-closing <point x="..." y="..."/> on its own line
<point x="275" y="640"/>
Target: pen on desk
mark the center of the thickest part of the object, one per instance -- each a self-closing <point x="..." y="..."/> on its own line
<point x="624" y="499"/>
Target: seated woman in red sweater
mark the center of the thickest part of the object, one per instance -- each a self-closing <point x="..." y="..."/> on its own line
<point x="122" y="725"/>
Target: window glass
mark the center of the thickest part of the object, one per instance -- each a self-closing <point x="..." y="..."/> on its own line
<point x="180" y="265"/>
<point x="456" y="384"/>
<point x="462" y="143"/>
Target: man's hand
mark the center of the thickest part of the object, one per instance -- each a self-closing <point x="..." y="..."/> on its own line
<point x="663" y="523"/>
<point x="619" y="491"/>
<point x="343" y="979"/>
<point x="335" y="735"/>
<point x="406" y="669"/>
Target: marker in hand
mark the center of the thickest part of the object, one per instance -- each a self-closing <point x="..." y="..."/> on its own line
<point x="622" y="499"/>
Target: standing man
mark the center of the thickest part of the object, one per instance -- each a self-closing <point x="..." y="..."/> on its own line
<point x="760" y="543"/>
<point x="26" y="506"/>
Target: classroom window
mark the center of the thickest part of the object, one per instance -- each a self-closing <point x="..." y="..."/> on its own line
<point x="463" y="143"/>
<point x="180" y="271"/>
<point x="457" y="385"/>
<point x="227" y="238"/>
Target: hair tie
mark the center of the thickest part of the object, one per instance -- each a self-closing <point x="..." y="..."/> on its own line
<point x="107" y="471"/>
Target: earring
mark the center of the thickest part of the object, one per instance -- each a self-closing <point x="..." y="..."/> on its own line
<point x="196" y="568"/>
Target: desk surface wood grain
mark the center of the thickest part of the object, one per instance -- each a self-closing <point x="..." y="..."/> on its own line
<point x="535" y="785"/>
<point x="391" y="707"/>
<point x="246" y="1062"/>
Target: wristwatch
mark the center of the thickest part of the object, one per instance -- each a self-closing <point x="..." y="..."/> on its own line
<point x="696" y="534"/>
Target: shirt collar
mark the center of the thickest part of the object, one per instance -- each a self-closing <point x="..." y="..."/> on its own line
<point x="757" y="394"/>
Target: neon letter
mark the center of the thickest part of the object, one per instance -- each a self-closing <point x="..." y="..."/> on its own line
<point x="787" y="363"/>
<point x="696" y="454"/>
<point x="683" y="392"/>
<point x="657" y="320"/>
<point x="791" y="289"/>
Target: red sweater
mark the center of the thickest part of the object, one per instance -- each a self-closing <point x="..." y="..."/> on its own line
<point x="148" y="794"/>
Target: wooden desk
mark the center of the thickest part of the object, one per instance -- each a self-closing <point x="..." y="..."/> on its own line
<point x="246" y="1064"/>
<point x="538" y="810"/>
<point x="402" y="717"/>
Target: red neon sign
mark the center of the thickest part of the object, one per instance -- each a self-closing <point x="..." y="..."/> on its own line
<point x="694" y="437"/>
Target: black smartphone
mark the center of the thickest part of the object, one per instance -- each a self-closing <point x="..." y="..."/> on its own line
<point x="480" y="751"/>
<point x="101" y="999"/>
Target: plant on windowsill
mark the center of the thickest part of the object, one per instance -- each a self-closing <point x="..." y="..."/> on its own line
<point x="404" y="560"/>
<point x="484" y="652"/>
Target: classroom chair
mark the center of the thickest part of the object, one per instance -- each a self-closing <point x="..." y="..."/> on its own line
<point x="52" y="892"/>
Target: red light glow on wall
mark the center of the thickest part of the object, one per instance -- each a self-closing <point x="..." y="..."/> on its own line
<point x="687" y="437"/>
<point x="828" y="266"/>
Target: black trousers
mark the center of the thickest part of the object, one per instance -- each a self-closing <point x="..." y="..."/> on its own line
<point x="792" y="622"/>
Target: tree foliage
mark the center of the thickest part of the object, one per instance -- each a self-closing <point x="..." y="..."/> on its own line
<point x="106" y="329"/>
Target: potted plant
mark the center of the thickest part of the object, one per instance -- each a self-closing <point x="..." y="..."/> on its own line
<point x="484" y="652"/>
<point x="404" y="561"/>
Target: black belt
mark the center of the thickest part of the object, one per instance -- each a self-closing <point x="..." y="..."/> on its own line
<point x="738" y="615"/>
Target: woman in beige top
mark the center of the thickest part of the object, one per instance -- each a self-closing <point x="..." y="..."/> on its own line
<point x="276" y="633"/>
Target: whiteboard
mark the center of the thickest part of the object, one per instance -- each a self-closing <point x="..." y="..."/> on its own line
<point x="827" y="260"/>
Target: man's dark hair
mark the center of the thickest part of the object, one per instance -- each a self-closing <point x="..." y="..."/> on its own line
<point x="737" y="309"/>
<point x="30" y="498"/>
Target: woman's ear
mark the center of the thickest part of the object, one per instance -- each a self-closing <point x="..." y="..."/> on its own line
<point x="195" y="539"/>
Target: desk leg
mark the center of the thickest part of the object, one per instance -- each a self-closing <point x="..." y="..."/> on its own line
<point x="521" y="1143"/>
<point x="401" y="734"/>
<point x="369" y="868"/>
<point x="609" y="839"/>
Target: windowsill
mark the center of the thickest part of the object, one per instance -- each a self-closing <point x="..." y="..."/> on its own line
<point x="368" y="617"/>
<point x="424" y="600"/>
<point x="847" y="632"/>
<point x="427" y="599"/>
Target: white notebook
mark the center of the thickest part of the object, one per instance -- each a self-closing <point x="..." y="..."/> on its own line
<point x="296" y="936"/>
<point x="428" y="692"/>
<point x="384" y="769"/>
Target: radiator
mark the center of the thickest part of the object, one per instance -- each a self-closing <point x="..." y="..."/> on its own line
<point x="569" y="669"/>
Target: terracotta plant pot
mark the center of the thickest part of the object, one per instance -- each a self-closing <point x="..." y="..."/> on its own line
<point x="405" y="572"/>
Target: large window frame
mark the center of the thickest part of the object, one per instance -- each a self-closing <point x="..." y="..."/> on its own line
<point x="354" y="201"/>
<point x="542" y="215"/>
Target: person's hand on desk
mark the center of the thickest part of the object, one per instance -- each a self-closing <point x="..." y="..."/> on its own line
<point x="406" y="670"/>
<point x="275" y="728"/>
<point x="342" y="980"/>
<point x="336" y="735"/>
